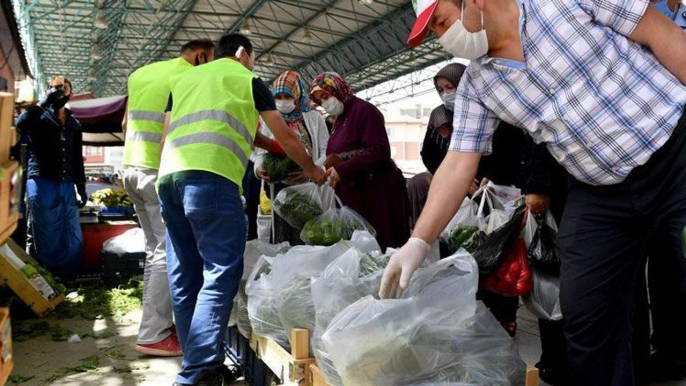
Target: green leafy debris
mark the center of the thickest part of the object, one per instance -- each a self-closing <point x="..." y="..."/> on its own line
<point x="18" y="378"/>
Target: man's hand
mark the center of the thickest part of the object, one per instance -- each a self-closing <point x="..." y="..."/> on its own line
<point x="334" y="178"/>
<point x="537" y="203"/>
<point x="475" y="186"/>
<point x="317" y="175"/>
<point x="83" y="195"/>
<point x="52" y="97"/>
<point x="448" y="189"/>
<point x="402" y="265"/>
<point x="262" y="174"/>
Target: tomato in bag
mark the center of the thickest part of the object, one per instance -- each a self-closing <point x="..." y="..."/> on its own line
<point x="513" y="277"/>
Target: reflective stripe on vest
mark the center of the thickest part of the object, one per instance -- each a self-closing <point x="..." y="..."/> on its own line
<point x="146" y="116"/>
<point x="214" y="115"/>
<point x="210" y="139"/>
<point x="143" y="137"/>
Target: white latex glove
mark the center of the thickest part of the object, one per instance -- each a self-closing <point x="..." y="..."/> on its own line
<point x="402" y="265"/>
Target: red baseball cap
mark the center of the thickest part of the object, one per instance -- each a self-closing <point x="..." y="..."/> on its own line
<point x="424" y="10"/>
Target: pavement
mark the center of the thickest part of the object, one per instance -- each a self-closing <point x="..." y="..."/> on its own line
<point x="41" y="361"/>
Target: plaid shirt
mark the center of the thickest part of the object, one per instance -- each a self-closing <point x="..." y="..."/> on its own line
<point x="602" y="103"/>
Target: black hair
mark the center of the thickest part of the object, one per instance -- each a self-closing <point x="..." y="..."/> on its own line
<point x="229" y="43"/>
<point x="199" y="44"/>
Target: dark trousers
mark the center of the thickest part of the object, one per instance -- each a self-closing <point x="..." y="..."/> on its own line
<point x="604" y="237"/>
<point x="251" y="192"/>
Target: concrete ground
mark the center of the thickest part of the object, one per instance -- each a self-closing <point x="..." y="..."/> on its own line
<point x="41" y="361"/>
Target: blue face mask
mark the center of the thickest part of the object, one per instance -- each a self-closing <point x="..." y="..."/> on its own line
<point x="449" y="101"/>
<point x="663" y="7"/>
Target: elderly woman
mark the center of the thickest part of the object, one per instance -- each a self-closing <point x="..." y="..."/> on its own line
<point x="293" y="103"/>
<point x="359" y="161"/>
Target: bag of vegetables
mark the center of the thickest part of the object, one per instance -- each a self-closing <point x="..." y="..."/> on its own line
<point x="262" y="311"/>
<point x="299" y="204"/>
<point x="291" y="273"/>
<point x="333" y="226"/>
<point x="352" y="276"/>
<point x="278" y="167"/>
<point x="437" y="333"/>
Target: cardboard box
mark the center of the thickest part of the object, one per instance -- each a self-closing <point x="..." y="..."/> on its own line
<point x="6" y="123"/>
<point x="6" y="359"/>
<point x="10" y="198"/>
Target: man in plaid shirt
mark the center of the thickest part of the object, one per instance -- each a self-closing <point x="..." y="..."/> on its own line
<point x="601" y="82"/>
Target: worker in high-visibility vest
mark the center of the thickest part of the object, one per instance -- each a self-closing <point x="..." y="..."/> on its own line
<point x="149" y="88"/>
<point x="214" y="119"/>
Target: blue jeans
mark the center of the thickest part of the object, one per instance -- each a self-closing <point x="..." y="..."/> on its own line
<point x="206" y="239"/>
<point x="55" y="226"/>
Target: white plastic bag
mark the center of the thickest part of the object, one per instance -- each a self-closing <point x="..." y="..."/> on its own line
<point x="131" y="241"/>
<point x="436" y="334"/>
<point x="502" y="194"/>
<point x="544" y="300"/>
<point x="291" y="273"/>
<point x="262" y="311"/>
<point x="298" y="204"/>
<point x="333" y="226"/>
<point x="352" y="276"/>
<point x="465" y="215"/>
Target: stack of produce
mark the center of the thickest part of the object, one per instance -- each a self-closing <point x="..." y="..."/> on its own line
<point x="333" y="226"/>
<point x="278" y="167"/>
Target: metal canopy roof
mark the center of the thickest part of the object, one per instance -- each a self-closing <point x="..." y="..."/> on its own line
<point x="363" y="40"/>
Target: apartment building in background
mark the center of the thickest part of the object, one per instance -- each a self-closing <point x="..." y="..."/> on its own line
<point x="406" y="127"/>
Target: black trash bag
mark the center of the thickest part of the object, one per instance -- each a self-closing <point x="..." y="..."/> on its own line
<point x="544" y="255"/>
<point x="495" y="248"/>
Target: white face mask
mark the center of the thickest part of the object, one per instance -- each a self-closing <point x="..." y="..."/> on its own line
<point x="333" y="106"/>
<point x="464" y="44"/>
<point x="285" y="106"/>
<point x="449" y="101"/>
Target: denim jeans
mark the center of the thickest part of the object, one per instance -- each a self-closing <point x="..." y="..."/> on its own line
<point x="54" y="224"/>
<point x="206" y="239"/>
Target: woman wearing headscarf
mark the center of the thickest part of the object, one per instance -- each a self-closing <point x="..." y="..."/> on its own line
<point x="359" y="161"/>
<point x="293" y="102"/>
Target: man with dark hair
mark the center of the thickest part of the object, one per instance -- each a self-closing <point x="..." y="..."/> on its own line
<point x="213" y="126"/>
<point x="601" y="83"/>
<point x="149" y="89"/>
<point x="55" y="167"/>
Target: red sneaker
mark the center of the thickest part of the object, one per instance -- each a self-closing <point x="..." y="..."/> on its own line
<point x="169" y="347"/>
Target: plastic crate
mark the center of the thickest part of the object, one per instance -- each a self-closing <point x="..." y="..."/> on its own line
<point x="237" y="349"/>
<point x="117" y="269"/>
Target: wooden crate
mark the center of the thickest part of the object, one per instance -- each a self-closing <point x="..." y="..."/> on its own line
<point x="7" y="359"/>
<point x="6" y="123"/>
<point x="293" y="369"/>
<point x="317" y="377"/>
<point x="21" y="285"/>
<point x="8" y="210"/>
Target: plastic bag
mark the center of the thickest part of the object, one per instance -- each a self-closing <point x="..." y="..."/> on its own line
<point x="262" y="311"/>
<point x="291" y="273"/>
<point x="352" y="276"/>
<point x="298" y="204"/>
<point x="278" y="166"/>
<point x="513" y="276"/>
<point x="503" y="194"/>
<point x="495" y="248"/>
<point x="436" y="334"/>
<point x="131" y="241"/>
<point x="466" y="215"/>
<point x="333" y="226"/>
<point x="543" y="252"/>
<point x="544" y="299"/>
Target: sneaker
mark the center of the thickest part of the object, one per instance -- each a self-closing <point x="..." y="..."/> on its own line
<point x="169" y="347"/>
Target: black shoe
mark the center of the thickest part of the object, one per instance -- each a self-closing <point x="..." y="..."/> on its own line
<point x="552" y="376"/>
<point x="664" y="368"/>
<point x="213" y="379"/>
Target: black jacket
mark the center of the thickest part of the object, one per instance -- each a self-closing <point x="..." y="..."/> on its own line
<point x="54" y="150"/>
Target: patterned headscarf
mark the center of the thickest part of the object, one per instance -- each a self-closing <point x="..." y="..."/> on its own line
<point x="333" y="84"/>
<point x="291" y="84"/>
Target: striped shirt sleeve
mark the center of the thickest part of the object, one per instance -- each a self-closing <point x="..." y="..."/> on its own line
<point x="473" y="123"/>
<point x="621" y="15"/>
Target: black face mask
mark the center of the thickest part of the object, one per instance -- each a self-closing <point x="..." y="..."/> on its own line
<point x="62" y="101"/>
